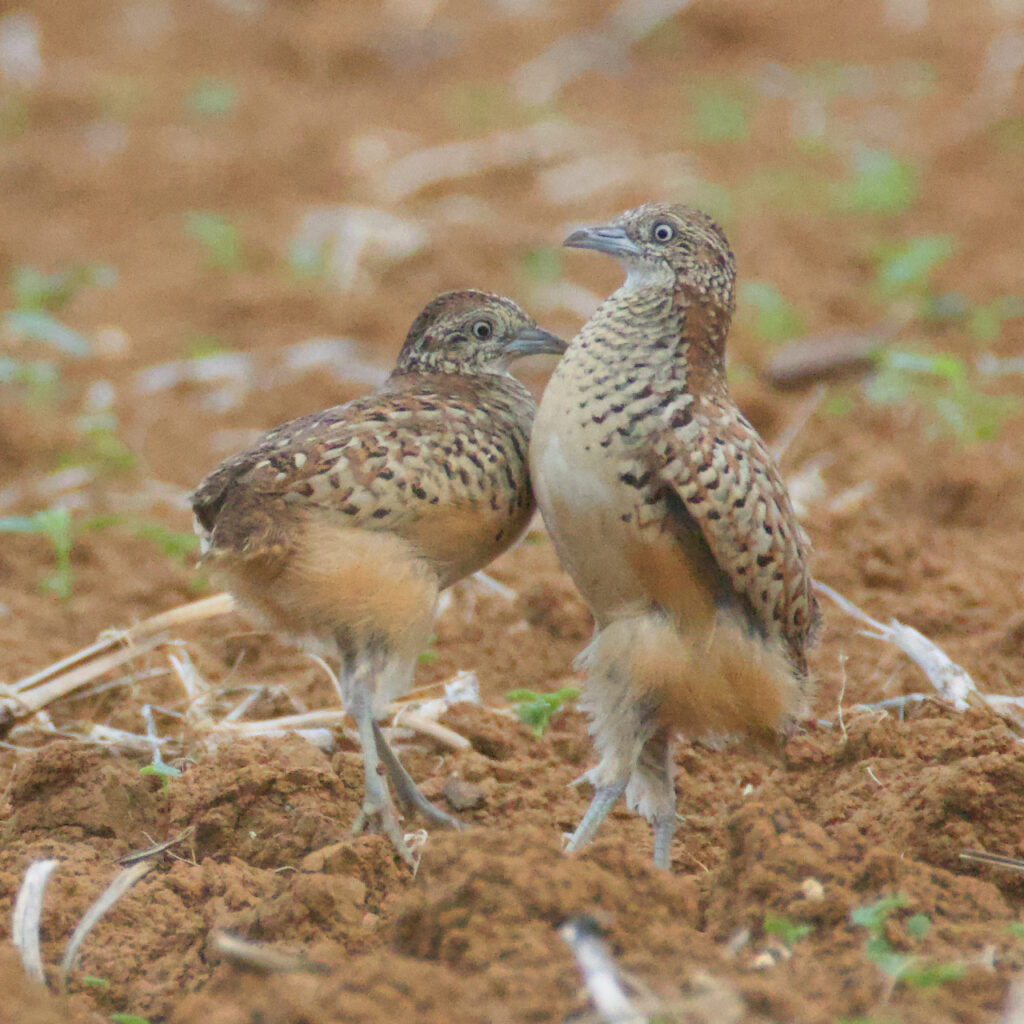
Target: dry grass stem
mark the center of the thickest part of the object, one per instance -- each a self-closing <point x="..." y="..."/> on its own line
<point x="117" y="888"/>
<point x="28" y="909"/>
<point x="260" y="956"/>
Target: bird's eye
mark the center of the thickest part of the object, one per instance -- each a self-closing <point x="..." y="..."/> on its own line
<point x="663" y="232"/>
<point x="482" y="330"/>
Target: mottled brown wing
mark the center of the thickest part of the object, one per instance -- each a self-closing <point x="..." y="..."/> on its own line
<point x="379" y="462"/>
<point x="713" y="460"/>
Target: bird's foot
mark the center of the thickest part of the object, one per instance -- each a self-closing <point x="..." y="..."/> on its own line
<point x="603" y="801"/>
<point x="382" y="820"/>
<point x="407" y="792"/>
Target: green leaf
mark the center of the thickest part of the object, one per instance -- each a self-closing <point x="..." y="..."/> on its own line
<point x="720" y="116"/>
<point x="886" y="959"/>
<point x="1016" y="928"/>
<point x="128" y="1018"/>
<point x="38" y="325"/>
<point x="218" y="236"/>
<point x="35" y="290"/>
<point x="775" y="319"/>
<point x="880" y="183"/>
<point x="93" y="982"/>
<point x="907" y="269"/>
<point x="544" y="265"/>
<point x="932" y="975"/>
<point x="789" y="931"/>
<point x="535" y="709"/>
<point x="212" y="97"/>
<point x="918" y="926"/>
<point x="874" y="915"/>
<point x="178" y="545"/>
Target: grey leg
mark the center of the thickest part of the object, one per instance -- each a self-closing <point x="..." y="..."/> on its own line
<point x="656" y="768"/>
<point x="603" y="801"/>
<point x="406" y="791"/>
<point x="377" y="813"/>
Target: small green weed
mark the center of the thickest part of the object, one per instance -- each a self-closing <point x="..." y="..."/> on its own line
<point x="93" y="982"/>
<point x="790" y="932"/>
<point x="901" y="968"/>
<point x="880" y="183"/>
<point x="212" y="98"/>
<point x="543" y="265"/>
<point x="774" y="318"/>
<point x="165" y="772"/>
<point x="219" y="237"/>
<point x="128" y="1018"/>
<point x="535" y="709"/>
<point x="35" y="290"/>
<point x="55" y="525"/>
<point x="943" y="384"/>
<point x="906" y="268"/>
<point x="720" y="115"/>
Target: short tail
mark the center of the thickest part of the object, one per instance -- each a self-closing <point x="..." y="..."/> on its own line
<point x="726" y="681"/>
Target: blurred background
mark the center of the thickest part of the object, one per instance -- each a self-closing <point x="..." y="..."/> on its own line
<point x="219" y="214"/>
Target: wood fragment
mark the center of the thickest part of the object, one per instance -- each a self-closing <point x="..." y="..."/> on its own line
<point x="830" y="356"/>
<point x="261" y="956"/>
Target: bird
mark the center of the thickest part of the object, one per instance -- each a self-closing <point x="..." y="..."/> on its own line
<point x="670" y="515"/>
<point x="338" y="530"/>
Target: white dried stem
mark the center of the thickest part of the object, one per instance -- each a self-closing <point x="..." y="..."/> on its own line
<point x="260" y="956"/>
<point x="600" y="975"/>
<point x="951" y="682"/>
<point x="28" y="909"/>
<point x="117" y="888"/>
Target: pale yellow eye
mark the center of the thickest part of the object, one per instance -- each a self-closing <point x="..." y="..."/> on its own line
<point x="482" y="330"/>
<point x="663" y="232"/>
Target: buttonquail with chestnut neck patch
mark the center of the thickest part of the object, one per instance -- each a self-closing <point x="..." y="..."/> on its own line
<point x="338" y="530"/>
<point x="670" y="515"/>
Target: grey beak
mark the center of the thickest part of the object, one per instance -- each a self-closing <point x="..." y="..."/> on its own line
<point x="532" y="341"/>
<point x="609" y="239"/>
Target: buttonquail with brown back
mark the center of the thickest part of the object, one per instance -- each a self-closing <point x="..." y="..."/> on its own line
<point x="338" y="530"/>
<point x="669" y="513"/>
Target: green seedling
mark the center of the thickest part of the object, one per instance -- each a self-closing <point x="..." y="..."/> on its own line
<point x="790" y="932"/>
<point x="943" y="384"/>
<point x="720" y="115"/>
<point x="38" y="325"/>
<point x="774" y="318"/>
<point x="212" y="98"/>
<point x="309" y="260"/>
<point x="93" y="982"/>
<point x="128" y="1018"/>
<point x="907" y="268"/>
<point x="178" y="545"/>
<point x="101" y="449"/>
<point x="165" y="772"/>
<point x="901" y="968"/>
<point x="35" y="290"/>
<point x="218" y="236"/>
<point x="39" y="377"/>
<point x="543" y="265"/>
<point x="54" y="524"/>
<point x="535" y="709"/>
<point x="880" y="183"/>
<point x="428" y="657"/>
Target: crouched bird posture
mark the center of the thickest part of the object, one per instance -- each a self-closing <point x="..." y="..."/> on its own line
<point x="338" y="530"/>
<point x="669" y="513"/>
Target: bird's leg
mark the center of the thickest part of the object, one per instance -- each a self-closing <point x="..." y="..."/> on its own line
<point x="406" y="791"/>
<point x="378" y="812"/>
<point x="659" y="797"/>
<point x="603" y="801"/>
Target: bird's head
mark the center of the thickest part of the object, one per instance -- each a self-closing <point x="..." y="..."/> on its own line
<point x="670" y="246"/>
<point x="473" y="332"/>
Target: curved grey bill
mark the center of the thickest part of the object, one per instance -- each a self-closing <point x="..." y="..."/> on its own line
<point x="609" y="239"/>
<point x="534" y="341"/>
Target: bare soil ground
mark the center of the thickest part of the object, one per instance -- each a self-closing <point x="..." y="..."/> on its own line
<point x="768" y="114"/>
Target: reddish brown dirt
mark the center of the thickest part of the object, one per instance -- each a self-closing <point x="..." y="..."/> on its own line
<point x="852" y="809"/>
